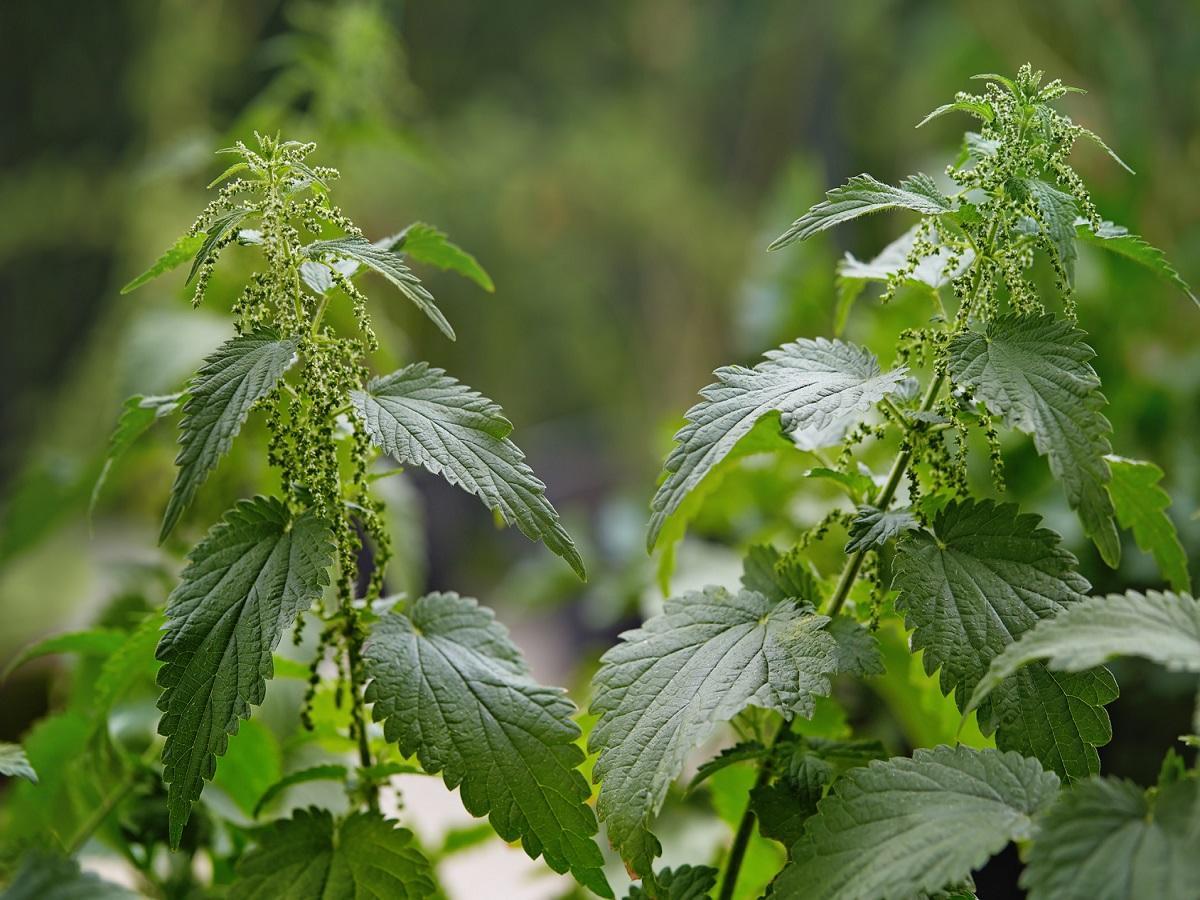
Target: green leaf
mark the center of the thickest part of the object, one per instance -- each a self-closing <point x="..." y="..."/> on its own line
<point x="872" y="527"/>
<point x="137" y="415"/>
<point x="679" y="883"/>
<point x="1161" y="627"/>
<point x="1036" y="373"/>
<point x="862" y="194"/>
<point x="310" y="856"/>
<point x="896" y="828"/>
<point x="14" y="762"/>
<point x="817" y="387"/>
<point x="858" y="650"/>
<point x="427" y="244"/>
<point x="1106" y="839"/>
<point x="667" y="686"/>
<point x="47" y="876"/>
<point x="983" y="577"/>
<point x="94" y="642"/>
<point x="218" y="229"/>
<point x="450" y="686"/>
<point x="302" y="776"/>
<point x="1117" y="239"/>
<point x="1099" y="142"/>
<point x="131" y="661"/>
<point x="253" y="762"/>
<point x="979" y="110"/>
<point x="243" y="588"/>
<point x="857" y="485"/>
<point x="784" y="806"/>
<point x="178" y="253"/>
<point x="1057" y="718"/>
<point x="388" y="264"/>
<point x="1058" y="212"/>
<point x="241" y="372"/>
<point x="421" y="416"/>
<point x="746" y="751"/>
<point x="933" y="271"/>
<point x="779" y="576"/>
<point x="1141" y="506"/>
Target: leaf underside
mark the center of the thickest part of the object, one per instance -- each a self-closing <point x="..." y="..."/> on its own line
<point x="387" y="263"/>
<point x="818" y="388"/>
<point x="449" y="686"/>
<point x="242" y="590"/>
<point x="667" y="685"/>
<point x="1161" y="627"/>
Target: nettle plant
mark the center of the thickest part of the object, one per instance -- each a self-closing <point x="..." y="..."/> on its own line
<point x="452" y="692"/>
<point x="994" y="603"/>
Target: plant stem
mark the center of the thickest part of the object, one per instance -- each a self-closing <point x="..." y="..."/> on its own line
<point x="883" y="500"/>
<point x="741" y="840"/>
<point x="354" y="655"/>
<point x="101" y="812"/>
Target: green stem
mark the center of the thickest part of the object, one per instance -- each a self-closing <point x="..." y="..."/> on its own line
<point x="883" y="500"/>
<point x="741" y="839"/>
<point x="101" y="812"/>
<point x="354" y="658"/>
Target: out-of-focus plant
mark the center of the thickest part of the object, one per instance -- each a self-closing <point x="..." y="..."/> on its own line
<point x="452" y="692"/>
<point x="995" y="605"/>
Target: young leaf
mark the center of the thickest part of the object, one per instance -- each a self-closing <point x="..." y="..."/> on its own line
<point x="1035" y="372"/>
<point x="94" y="642"/>
<point x="858" y="649"/>
<point x="1117" y="239"/>
<point x="244" y="585"/>
<point x="817" y="387"/>
<point x="872" y="527"/>
<point x="427" y="244"/>
<point x="785" y="805"/>
<point x="1161" y="627"/>
<point x="449" y="686"/>
<point x="421" y="416"/>
<point x="216" y="231"/>
<point x="241" y="372"/>
<point x="178" y="253"/>
<point x="680" y="883"/>
<point x="1106" y="839"/>
<point x="1099" y="142"/>
<point x="933" y="271"/>
<point x="1058" y="213"/>
<point x="898" y="828"/>
<point x="668" y="684"/>
<point x="137" y="414"/>
<point x="746" y="751"/>
<point x="327" y="772"/>
<point x="1141" y="505"/>
<point x="388" y="264"/>
<point x="979" y="110"/>
<point x="779" y="576"/>
<point x="984" y="576"/>
<point x="862" y="194"/>
<point x="14" y="762"/>
<point x="309" y="855"/>
<point x="46" y="876"/>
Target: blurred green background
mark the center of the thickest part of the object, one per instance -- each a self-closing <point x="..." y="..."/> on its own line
<point x="619" y="169"/>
